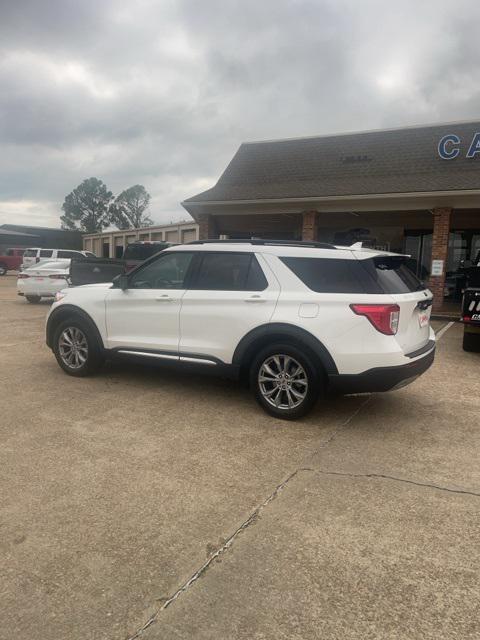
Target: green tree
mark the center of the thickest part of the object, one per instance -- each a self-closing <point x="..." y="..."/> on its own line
<point x="86" y="208"/>
<point x="129" y="209"/>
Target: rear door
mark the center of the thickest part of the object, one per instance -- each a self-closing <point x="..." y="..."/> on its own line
<point x="394" y="278"/>
<point x="230" y="294"/>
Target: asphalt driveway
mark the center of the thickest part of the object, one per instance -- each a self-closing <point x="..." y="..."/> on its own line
<point x="141" y="503"/>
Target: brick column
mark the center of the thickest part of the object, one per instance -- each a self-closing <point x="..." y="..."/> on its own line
<point x="207" y="229"/>
<point x="310" y="226"/>
<point x="441" y="230"/>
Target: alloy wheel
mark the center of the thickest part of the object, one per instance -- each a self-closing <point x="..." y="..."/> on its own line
<point x="73" y="347"/>
<point x="283" y="381"/>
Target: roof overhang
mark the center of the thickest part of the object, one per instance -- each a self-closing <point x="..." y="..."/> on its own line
<point x="465" y="199"/>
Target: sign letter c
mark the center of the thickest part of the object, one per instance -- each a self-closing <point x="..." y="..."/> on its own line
<point x="448" y="147"/>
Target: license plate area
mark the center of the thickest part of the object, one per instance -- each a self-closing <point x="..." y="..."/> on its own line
<point x="423" y="318"/>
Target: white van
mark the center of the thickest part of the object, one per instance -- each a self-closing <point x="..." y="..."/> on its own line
<point x="35" y="254"/>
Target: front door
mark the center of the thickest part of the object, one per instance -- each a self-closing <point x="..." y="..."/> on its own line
<point x="229" y="294"/>
<point x="146" y="315"/>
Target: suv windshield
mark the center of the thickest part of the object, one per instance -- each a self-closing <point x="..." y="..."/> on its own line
<point x="140" y="251"/>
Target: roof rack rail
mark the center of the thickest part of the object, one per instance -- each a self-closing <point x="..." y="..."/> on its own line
<point x="275" y="243"/>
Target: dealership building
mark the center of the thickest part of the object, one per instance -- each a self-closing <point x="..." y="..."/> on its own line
<point x="413" y="190"/>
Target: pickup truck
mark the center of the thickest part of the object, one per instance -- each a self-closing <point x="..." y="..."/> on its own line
<point x="96" y="270"/>
<point x="11" y="260"/>
<point x="471" y="308"/>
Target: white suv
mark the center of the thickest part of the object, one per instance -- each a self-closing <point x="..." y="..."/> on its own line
<point x="33" y="255"/>
<point x="295" y="319"/>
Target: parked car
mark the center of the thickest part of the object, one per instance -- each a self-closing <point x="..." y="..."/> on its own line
<point x="43" y="280"/>
<point x="11" y="260"/>
<point x="35" y="254"/>
<point x="137" y="252"/>
<point x="471" y="307"/>
<point x="294" y="319"/>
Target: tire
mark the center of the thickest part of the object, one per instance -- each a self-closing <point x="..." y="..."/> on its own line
<point x="87" y="355"/>
<point x="33" y="299"/>
<point x="280" y="375"/>
<point x="3" y="269"/>
<point x="471" y="342"/>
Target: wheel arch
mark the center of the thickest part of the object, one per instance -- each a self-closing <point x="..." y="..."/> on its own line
<point x="264" y="335"/>
<point x="64" y="312"/>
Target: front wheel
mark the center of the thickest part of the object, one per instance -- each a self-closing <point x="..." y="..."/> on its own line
<point x="33" y="299"/>
<point x="285" y="381"/>
<point x="76" y="348"/>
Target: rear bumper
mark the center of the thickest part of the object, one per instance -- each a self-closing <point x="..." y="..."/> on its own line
<point x="381" y="378"/>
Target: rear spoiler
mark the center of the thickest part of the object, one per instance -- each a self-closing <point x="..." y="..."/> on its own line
<point x="94" y="270"/>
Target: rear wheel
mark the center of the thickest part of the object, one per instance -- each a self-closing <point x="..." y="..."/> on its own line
<point x="33" y="299"/>
<point x="3" y="269"/>
<point x="471" y="341"/>
<point x="285" y="381"/>
<point x="76" y="348"/>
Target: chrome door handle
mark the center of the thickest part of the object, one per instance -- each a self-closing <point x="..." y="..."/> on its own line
<point x="164" y="298"/>
<point x="255" y="299"/>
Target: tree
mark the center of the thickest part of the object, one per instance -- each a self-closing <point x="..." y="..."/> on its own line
<point x="129" y="209"/>
<point x="86" y="208"/>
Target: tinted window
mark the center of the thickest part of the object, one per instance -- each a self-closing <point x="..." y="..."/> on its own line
<point x="328" y="275"/>
<point x="229" y="272"/>
<point x="69" y="254"/>
<point x="168" y="272"/>
<point x="142" y="251"/>
<point x="392" y="275"/>
<point x="45" y="253"/>
<point x="30" y="253"/>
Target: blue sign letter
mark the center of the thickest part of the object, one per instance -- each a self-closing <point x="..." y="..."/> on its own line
<point x="474" y="147"/>
<point x="446" y="153"/>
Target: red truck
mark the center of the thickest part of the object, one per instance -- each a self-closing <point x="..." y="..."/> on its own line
<point x="10" y="260"/>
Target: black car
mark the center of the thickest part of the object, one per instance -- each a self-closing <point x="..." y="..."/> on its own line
<point x="471" y="308"/>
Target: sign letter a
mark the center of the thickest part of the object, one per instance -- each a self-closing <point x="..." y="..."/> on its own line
<point x="475" y="146"/>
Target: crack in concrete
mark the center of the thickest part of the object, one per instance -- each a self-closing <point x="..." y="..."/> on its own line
<point x="228" y="543"/>
<point x="383" y="476"/>
<point x="247" y="523"/>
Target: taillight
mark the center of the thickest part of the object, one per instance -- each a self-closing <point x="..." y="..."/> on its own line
<point x="22" y="276"/>
<point x="58" y="276"/>
<point x="384" y="317"/>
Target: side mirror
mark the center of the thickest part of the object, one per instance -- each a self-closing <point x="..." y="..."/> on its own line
<point x="121" y="281"/>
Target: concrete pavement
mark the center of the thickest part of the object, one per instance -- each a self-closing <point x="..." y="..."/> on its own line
<point x="117" y="489"/>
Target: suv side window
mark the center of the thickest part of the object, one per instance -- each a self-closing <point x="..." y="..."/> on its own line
<point x="46" y="253"/>
<point x="167" y="272"/>
<point x="229" y="272"/>
<point x="68" y="254"/>
<point x="329" y="275"/>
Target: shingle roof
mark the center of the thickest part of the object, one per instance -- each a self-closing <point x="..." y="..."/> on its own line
<point x="374" y="162"/>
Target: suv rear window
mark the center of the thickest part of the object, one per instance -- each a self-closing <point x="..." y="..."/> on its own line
<point x="329" y="275"/>
<point x="392" y="275"/>
<point x="388" y="274"/>
<point x="143" y="251"/>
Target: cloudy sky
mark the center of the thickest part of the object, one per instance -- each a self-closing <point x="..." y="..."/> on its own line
<point x="162" y="92"/>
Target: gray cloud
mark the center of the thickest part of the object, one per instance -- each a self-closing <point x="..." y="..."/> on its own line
<point x="162" y="93"/>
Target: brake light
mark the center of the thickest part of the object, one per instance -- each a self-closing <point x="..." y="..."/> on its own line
<point x="384" y="317"/>
<point x="58" y="276"/>
<point x="22" y="276"/>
